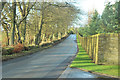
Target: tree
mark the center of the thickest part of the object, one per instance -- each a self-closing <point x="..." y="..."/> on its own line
<point x="108" y="22"/>
<point x="13" y="22"/>
<point x="53" y="17"/>
<point x="24" y="13"/>
<point x="94" y="24"/>
<point x="30" y="22"/>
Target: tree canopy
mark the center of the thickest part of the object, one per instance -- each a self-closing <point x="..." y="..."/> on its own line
<point x="108" y="22"/>
<point x="34" y="22"/>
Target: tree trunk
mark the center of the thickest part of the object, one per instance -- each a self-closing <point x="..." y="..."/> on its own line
<point x="24" y="21"/>
<point x="37" y="40"/>
<point x="38" y="36"/>
<point x="24" y="32"/>
<point x="13" y="23"/>
<point x="7" y="38"/>
<point x="19" y="38"/>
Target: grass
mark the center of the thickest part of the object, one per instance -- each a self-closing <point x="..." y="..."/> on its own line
<point x="23" y="53"/>
<point x="33" y="50"/>
<point x="83" y="61"/>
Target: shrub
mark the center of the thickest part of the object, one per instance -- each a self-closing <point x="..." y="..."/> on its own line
<point x="18" y="48"/>
<point x="3" y="45"/>
<point x="7" y="51"/>
<point x="26" y="48"/>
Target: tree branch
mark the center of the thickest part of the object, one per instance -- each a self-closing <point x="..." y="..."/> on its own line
<point x="67" y="5"/>
<point x="20" y="9"/>
<point x="26" y="14"/>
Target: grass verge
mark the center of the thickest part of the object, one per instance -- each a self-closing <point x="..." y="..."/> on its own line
<point x="35" y="49"/>
<point x="82" y="61"/>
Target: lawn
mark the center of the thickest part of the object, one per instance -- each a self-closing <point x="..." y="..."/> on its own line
<point x="83" y="61"/>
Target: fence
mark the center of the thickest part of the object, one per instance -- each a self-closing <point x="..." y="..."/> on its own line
<point x="102" y="48"/>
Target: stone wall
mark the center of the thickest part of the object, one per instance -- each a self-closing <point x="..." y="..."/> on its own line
<point x="102" y="48"/>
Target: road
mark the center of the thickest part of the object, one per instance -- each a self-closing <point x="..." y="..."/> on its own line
<point x="49" y="63"/>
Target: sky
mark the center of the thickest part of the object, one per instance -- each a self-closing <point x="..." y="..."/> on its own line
<point x="88" y="5"/>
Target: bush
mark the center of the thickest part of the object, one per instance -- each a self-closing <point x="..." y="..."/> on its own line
<point x="7" y="51"/>
<point x="26" y="48"/>
<point x="18" y="48"/>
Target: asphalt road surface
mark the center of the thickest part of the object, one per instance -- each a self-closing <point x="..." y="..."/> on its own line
<point x="49" y="63"/>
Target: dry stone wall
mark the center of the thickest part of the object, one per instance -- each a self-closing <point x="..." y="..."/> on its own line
<point x="102" y="48"/>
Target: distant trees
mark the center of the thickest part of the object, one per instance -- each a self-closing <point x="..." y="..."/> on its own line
<point x="108" y="22"/>
<point x="54" y="19"/>
<point x="31" y="22"/>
